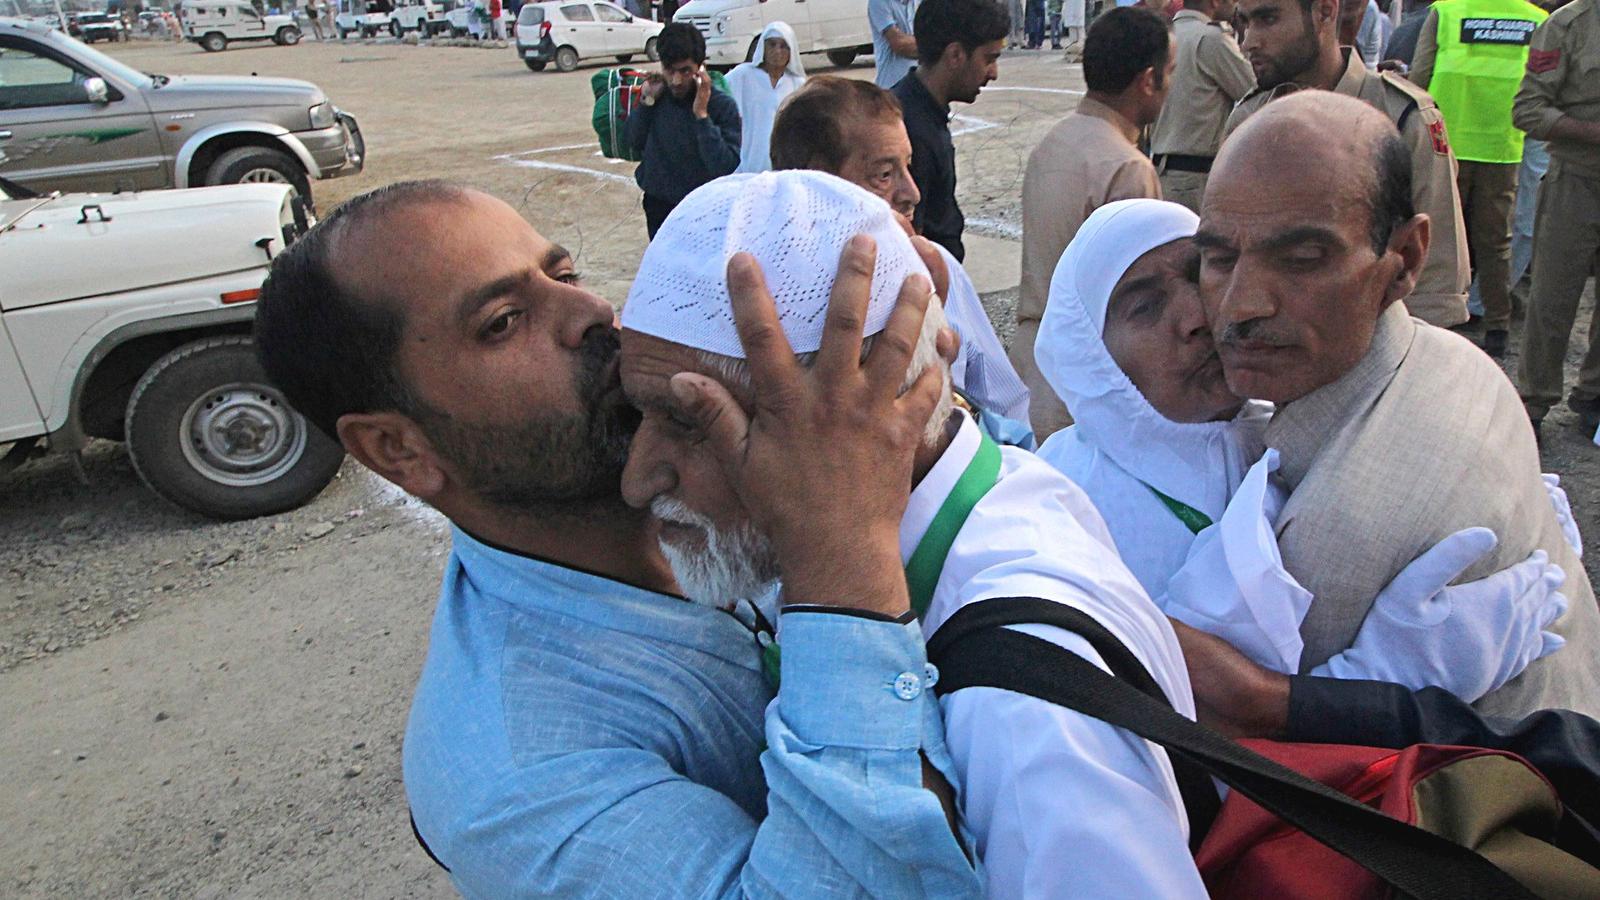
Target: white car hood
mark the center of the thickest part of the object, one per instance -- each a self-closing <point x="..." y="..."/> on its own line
<point x="151" y="238"/>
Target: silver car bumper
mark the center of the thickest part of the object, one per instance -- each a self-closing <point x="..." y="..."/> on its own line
<point x="338" y="151"/>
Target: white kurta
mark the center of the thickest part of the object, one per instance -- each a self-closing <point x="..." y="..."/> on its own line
<point x="1059" y="804"/>
<point x="758" y="98"/>
<point x="981" y="370"/>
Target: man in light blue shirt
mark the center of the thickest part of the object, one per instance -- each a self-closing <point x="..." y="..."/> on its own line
<point x="894" y="46"/>
<point x="578" y="729"/>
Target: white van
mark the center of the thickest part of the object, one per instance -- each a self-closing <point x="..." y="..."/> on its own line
<point x="363" y="17"/>
<point x="425" y="17"/>
<point x="213" y="24"/>
<point x="732" y="27"/>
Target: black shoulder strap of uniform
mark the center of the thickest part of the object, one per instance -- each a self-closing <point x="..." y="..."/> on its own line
<point x="972" y="649"/>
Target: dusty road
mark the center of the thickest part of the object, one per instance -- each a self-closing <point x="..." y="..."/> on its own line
<point x="197" y="709"/>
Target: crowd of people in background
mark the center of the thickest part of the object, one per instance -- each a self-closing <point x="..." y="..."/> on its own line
<point x="1235" y="455"/>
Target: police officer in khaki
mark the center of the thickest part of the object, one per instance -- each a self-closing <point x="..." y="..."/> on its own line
<point x="1470" y="56"/>
<point x="1294" y="44"/>
<point x="1559" y="102"/>
<point x="1211" y="75"/>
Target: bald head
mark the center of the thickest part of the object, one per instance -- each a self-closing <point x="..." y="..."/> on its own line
<point x="1307" y="234"/>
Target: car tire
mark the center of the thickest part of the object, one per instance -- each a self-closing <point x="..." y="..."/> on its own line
<point x="207" y="432"/>
<point x="624" y="57"/>
<point x="287" y="36"/>
<point x="536" y="65"/>
<point x="213" y="42"/>
<point x="394" y="28"/>
<point x="242" y="165"/>
<point x="343" y="33"/>
<point x="566" y="59"/>
<point x="650" y="51"/>
<point x="842" y="58"/>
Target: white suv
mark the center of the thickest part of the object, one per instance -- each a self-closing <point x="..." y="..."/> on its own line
<point x="567" y="32"/>
<point x="128" y="316"/>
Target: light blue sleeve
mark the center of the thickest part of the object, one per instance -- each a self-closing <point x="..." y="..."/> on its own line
<point x="880" y="15"/>
<point x="847" y="815"/>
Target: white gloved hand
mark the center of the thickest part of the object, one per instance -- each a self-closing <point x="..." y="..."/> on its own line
<point x="1468" y="639"/>
<point x="1558" y="499"/>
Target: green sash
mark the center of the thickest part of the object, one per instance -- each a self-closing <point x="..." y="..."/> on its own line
<point x="1194" y="519"/>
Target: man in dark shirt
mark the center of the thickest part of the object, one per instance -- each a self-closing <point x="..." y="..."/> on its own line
<point x="684" y="132"/>
<point x="957" y="55"/>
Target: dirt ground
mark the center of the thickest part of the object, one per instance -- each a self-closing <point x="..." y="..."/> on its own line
<point x="197" y="709"/>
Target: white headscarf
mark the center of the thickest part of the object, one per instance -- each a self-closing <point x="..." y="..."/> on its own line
<point x="758" y="98"/>
<point x="780" y="30"/>
<point x="1119" y="446"/>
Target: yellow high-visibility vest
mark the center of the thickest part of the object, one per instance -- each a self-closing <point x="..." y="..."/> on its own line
<point x="1483" y="49"/>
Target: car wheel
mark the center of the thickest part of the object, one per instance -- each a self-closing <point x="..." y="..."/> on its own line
<point x="343" y="33"/>
<point x="566" y="59"/>
<point x="259" y="165"/>
<point x="206" y="431"/>
<point x="841" y="58"/>
<point x="287" y="36"/>
<point x="395" y="29"/>
<point x="457" y="32"/>
<point x="535" y="64"/>
<point x="214" y="42"/>
<point x="650" y="51"/>
<point x="624" y="57"/>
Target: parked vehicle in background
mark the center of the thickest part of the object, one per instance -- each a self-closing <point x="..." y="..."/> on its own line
<point x="213" y="24"/>
<point x="127" y="317"/>
<point x="565" y="33"/>
<point x="731" y="28"/>
<point x="91" y="27"/>
<point x="74" y="119"/>
<point x="425" y="17"/>
<point x="362" y="17"/>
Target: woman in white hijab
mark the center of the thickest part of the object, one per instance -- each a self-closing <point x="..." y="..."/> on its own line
<point x="1187" y="495"/>
<point x="759" y="86"/>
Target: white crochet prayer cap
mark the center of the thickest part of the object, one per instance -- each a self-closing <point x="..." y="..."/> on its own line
<point x="796" y="224"/>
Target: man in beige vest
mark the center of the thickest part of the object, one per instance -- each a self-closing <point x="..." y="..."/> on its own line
<point x="1294" y="44"/>
<point x="1392" y="433"/>
<point x="1211" y="75"/>
<point x="1087" y="160"/>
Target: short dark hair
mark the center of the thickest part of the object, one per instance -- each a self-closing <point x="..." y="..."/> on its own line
<point x="1120" y="44"/>
<point x="1391" y="188"/>
<point x="330" y="350"/>
<point x="970" y="23"/>
<point x="809" y="131"/>
<point x="680" y="41"/>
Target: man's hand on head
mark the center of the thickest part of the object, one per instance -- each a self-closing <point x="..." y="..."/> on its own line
<point x="654" y="84"/>
<point x="822" y="460"/>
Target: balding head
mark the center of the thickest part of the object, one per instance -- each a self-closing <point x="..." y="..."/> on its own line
<point x="1308" y="234"/>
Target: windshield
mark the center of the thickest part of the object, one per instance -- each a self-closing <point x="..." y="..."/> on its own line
<point x="101" y="62"/>
<point x="532" y="14"/>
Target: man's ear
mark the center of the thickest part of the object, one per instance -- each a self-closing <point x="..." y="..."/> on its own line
<point x="1409" y="241"/>
<point x="1147" y="82"/>
<point x="954" y="56"/>
<point x="1325" y="13"/>
<point x="391" y="445"/>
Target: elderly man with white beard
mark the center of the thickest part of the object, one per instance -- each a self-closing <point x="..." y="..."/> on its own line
<point x="982" y="522"/>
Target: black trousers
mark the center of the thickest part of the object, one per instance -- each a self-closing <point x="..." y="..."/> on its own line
<point x="655" y="212"/>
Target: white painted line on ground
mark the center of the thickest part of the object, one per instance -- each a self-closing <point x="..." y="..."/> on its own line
<point x="563" y="167"/>
<point x="550" y="150"/>
<point x="972" y="123"/>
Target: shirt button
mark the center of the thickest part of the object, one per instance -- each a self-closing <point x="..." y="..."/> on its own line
<point x="907" y="686"/>
<point x="930" y="674"/>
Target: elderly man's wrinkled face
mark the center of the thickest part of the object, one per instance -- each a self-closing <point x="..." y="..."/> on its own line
<point x="1157" y="333"/>
<point x="1280" y="40"/>
<point x="716" y="555"/>
<point x="512" y="368"/>
<point x="1288" y="274"/>
<point x="880" y="161"/>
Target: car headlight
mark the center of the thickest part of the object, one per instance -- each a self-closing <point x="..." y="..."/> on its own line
<point x="720" y="24"/>
<point x="323" y="115"/>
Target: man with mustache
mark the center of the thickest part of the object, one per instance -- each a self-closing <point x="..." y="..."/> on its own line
<point x="1293" y="45"/>
<point x="1392" y="434"/>
<point x="579" y="730"/>
<point x="981" y="522"/>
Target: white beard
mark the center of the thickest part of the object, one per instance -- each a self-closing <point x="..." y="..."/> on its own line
<point x="736" y="564"/>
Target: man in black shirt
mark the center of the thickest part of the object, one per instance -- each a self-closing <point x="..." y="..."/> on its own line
<point x="684" y="132"/>
<point x="957" y="55"/>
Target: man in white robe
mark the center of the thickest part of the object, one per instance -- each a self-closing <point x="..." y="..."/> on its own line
<point x="759" y="87"/>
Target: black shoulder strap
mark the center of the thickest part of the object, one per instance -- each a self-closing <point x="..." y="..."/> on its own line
<point x="971" y="650"/>
<point x="1201" y="802"/>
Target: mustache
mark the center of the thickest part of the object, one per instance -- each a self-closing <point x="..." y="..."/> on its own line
<point x="670" y="509"/>
<point x="1256" y="331"/>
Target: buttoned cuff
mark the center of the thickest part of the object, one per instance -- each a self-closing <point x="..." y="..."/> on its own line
<point x="850" y="681"/>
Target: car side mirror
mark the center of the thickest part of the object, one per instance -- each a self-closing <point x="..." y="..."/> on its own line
<point x="630" y="20"/>
<point x="96" y="90"/>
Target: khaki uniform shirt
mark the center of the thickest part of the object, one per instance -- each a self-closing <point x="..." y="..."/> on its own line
<point x="1087" y="160"/>
<point x="1209" y="76"/>
<point x="1563" y="79"/>
<point x="1440" y="297"/>
<point x="1424" y="436"/>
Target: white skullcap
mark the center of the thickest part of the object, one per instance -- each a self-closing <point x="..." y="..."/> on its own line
<point x="796" y="224"/>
